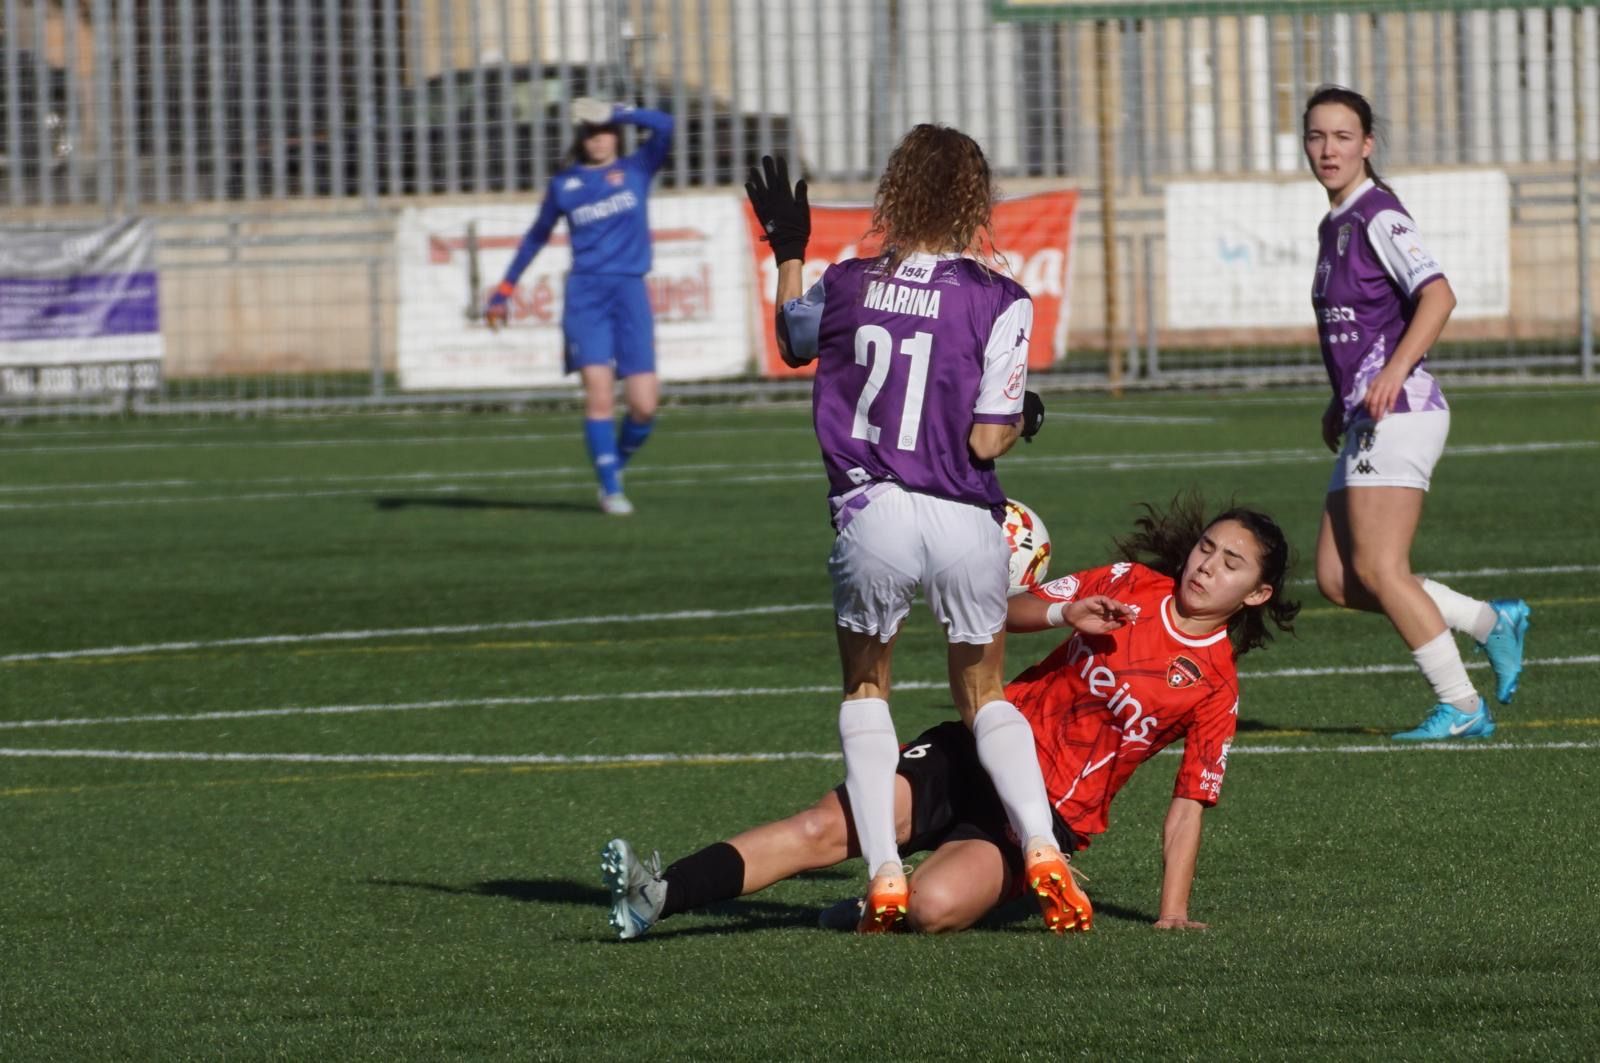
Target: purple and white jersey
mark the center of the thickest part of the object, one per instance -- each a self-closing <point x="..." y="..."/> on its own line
<point x="1370" y="266"/>
<point x="906" y="364"/>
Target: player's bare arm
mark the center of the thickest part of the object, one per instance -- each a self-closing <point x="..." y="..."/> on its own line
<point x="988" y="441"/>
<point x="1180" y="851"/>
<point x="1095" y="614"/>
<point x="1434" y="305"/>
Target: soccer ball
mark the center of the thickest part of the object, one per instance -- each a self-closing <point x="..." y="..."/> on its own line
<point x="1029" y="540"/>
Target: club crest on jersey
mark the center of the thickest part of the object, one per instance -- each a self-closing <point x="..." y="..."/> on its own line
<point x="1344" y="238"/>
<point x="1065" y="588"/>
<point x="614" y="178"/>
<point x="1182" y="672"/>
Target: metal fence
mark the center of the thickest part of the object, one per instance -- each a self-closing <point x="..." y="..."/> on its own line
<point x="271" y="119"/>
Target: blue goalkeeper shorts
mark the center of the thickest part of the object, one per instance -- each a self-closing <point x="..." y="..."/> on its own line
<point x="607" y="321"/>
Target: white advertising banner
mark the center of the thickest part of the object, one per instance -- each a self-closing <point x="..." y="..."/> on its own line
<point x="1241" y="254"/>
<point x="451" y="258"/>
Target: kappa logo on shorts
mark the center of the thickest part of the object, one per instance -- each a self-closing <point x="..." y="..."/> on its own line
<point x="1182" y="672"/>
<point x="1364" y="468"/>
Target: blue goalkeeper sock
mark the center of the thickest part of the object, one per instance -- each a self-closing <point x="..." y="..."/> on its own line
<point x="601" y="436"/>
<point x="632" y="437"/>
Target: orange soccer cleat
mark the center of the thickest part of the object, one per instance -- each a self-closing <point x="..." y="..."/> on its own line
<point x="1065" y="906"/>
<point x="884" y="907"/>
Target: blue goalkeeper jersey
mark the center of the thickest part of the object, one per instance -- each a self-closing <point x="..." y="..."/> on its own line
<point x="605" y="206"/>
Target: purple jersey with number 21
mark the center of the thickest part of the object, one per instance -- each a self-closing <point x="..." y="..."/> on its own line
<point x="906" y="364"/>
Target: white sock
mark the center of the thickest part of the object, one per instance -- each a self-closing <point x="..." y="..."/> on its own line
<point x="1440" y="661"/>
<point x="1466" y="615"/>
<point x="871" y="753"/>
<point x="1007" y="752"/>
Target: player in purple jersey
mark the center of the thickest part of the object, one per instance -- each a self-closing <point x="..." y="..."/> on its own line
<point x="922" y="360"/>
<point x="1381" y="301"/>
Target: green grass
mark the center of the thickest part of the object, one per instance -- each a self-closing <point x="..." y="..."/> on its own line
<point x="1395" y="904"/>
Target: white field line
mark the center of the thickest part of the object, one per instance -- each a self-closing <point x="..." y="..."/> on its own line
<point x="644" y="695"/>
<point x="801" y="471"/>
<point x="597" y="759"/>
<point x="133" y="442"/>
<point x="359" y="635"/>
<point x="405" y="632"/>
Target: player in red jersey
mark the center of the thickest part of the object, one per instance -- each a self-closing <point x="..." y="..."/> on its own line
<point x="1151" y="660"/>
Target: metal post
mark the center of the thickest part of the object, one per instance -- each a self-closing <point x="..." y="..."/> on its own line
<point x="366" y="103"/>
<point x="1581" y="172"/>
<point x="105" y="125"/>
<point x="127" y="57"/>
<point x="69" y="15"/>
<point x="1152" y="346"/>
<point x="1108" y="210"/>
<point x="250" y="66"/>
<point x="375" y="324"/>
<point x="14" y="116"/>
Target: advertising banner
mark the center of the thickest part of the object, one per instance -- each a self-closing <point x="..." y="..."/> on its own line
<point x="451" y="258"/>
<point x="1032" y="233"/>
<point x="80" y="312"/>
<point x="1241" y="254"/>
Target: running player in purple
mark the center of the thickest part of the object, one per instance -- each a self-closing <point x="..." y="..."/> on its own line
<point x="922" y="358"/>
<point x="1381" y="301"/>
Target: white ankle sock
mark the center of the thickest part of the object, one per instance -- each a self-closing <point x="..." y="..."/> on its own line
<point x="871" y="752"/>
<point x="1008" y="754"/>
<point x="1440" y="662"/>
<point x="1466" y="615"/>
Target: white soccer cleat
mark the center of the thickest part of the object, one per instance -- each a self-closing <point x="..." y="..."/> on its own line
<point x="637" y="889"/>
<point x="616" y="505"/>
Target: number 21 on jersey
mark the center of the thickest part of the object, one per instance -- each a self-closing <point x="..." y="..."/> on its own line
<point x="875" y="347"/>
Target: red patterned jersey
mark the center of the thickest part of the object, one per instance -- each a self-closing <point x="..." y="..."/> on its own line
<point x="1101" y="705"/>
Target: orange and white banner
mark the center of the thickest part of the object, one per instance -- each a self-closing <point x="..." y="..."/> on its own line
<point x="1032" y="233"/>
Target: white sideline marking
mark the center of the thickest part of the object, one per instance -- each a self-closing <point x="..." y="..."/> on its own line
<point x="558" y="759"/>
<point x="671" y="476"/>
<point x="400" y="632"/>
<point x="644" y="695"/>
<point x="576" y="621"/>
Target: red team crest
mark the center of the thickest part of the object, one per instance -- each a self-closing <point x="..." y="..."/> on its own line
<point x="1182" y="672"/>
<point x="614" y="178"/>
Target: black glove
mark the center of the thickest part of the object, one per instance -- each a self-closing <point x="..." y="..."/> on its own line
<point x="784" y="214"/>
<point x="1032" y="415"/>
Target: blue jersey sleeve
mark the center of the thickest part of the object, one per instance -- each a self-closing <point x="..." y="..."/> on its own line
<point x="537" y="236"/>
<point x="653" y="152"/>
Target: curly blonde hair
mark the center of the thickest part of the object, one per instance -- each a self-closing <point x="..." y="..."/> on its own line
<point x="936" y="193"/>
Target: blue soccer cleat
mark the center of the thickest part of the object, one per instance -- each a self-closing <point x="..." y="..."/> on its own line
<point x="1446" y="722"/>
<point x="1504" y="645"/>
<point x="637" y="889"/>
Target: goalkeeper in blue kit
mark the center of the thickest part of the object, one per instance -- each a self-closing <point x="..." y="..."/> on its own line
<point x="606" y="321"/>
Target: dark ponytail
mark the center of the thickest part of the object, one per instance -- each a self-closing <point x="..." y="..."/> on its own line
<point x="1363" y="110"/>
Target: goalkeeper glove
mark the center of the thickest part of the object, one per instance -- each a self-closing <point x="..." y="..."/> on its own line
<point x="784" y="214"/>
<point x="586" y="110"/>
<point x="1032" y="415"/>
<point x="498" y="310"/>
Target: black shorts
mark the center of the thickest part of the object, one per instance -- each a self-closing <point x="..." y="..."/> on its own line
<point x="952" y="798"/>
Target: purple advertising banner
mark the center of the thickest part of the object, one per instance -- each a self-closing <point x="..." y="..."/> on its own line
<point x="80" y="310"/>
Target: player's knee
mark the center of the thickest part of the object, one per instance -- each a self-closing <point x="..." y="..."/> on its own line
<point x="1330" y="581"/>
<point x="1377" y="572"/>
<point x="937" y="907"/>
<point x="823" y="830"/>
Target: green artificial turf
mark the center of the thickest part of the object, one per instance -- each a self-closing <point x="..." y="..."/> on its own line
<point x="238" y="657"/>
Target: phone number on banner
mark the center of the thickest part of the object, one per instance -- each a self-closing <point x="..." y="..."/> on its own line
<point x="72" y="381"/>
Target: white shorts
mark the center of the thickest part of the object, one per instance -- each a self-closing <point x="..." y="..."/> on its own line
<point x="1398" y="451"/>
<point x="902" y="540"/>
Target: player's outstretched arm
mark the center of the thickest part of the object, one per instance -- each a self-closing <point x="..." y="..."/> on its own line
<point x="1094" y="614"/>
<point x="1180" y="851"/>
